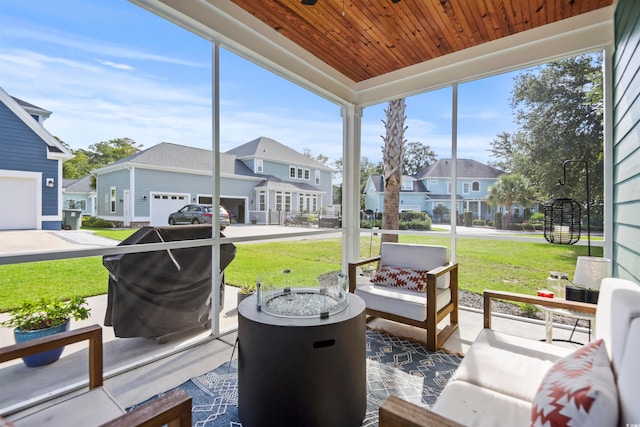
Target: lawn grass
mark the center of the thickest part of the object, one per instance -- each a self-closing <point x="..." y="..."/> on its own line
<point x="483" y="264"/>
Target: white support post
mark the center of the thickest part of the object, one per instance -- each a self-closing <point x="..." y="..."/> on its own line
<point x="351" y="125"/>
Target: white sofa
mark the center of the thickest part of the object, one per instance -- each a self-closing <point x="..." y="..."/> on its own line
<point x="425" y="308"/>
<point x="498" y="380"/>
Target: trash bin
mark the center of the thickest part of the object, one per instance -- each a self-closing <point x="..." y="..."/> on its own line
<point x="157" y="294"/>
<point x="71" y="219"/>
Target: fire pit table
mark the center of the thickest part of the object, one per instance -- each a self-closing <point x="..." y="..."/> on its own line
<point x="302" y="357"/>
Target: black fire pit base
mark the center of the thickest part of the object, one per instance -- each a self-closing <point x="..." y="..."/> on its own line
<point x="302" y="371"/>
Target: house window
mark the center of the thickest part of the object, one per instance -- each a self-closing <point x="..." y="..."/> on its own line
<point x="433" y="181"/>
<point x="315" y="202"/>
<point x="465" y="188"/>
<point x="259" y="165"/>
<point x="299" y="170"/>
<point x="292" y="171"/>
<point x="113" y="199"/>
<point x="287" y="202"/>
<point x="448" y="188"/>
<point x="475" y="186"/>
<point x="307" y="174"/>
<point x="278" y="200"/>
<point x="407" y="184"/>
<point x="261" y="201"/>
<point x="317" y="173"/>
<point x="301" y="203"/>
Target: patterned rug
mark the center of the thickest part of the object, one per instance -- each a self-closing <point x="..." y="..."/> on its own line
<point x="395" y="366"/>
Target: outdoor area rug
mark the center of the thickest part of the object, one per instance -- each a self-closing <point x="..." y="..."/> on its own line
<point x="395" y="366"/>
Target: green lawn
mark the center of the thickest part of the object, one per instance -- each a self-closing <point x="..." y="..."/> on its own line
<point x="495" y="264"/>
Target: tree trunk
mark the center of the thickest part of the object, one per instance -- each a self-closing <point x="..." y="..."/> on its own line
<point x="392" y="154"/>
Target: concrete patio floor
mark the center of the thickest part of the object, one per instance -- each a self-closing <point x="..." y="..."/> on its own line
<point x="131" y="384"/>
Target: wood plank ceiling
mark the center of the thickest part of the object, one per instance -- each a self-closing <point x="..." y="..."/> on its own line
<point x="368" y="38"/>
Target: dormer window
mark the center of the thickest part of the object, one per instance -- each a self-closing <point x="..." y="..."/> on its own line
<point x="407" y="185"/>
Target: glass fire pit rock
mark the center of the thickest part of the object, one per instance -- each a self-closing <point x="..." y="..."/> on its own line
<point x="312" y="297"/>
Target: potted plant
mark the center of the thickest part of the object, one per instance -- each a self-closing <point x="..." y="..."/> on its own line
<point x="245" y="291"/>
<point x="42" y="318"/>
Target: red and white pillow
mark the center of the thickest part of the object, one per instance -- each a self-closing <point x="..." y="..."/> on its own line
<point x="400" y="277"/>
<point x="578" y="390"/>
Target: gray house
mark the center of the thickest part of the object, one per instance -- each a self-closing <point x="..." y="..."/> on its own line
<point x="30" y="168"/>
<point x="431" y="188"/>
<point x="261" y="181"/>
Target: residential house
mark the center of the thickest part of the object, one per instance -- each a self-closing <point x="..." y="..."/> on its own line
<point x="431" y="187"/>
<point x="79" y="194"/>
<point x="30" y="168"/>
<point x="260" y="181"/>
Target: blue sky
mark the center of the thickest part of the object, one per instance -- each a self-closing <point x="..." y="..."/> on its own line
<point x="109" y="69"/>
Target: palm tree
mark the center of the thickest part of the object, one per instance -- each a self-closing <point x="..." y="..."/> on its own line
<point x="510" y="189"/>
<point x="392" y="155"/>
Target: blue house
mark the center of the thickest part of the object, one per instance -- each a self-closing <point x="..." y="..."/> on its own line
<point x="431" y="188"/>
<point x="261" y="181"/>
<point x="79" y="194"/>
<point x="30" y="168"/>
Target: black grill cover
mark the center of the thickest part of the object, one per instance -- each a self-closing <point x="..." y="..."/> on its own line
<point x="155" y="294"/>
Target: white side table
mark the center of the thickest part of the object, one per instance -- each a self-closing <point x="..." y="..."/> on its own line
<point x="548" y="319"/>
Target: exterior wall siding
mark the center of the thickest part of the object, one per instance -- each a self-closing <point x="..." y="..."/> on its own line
<point x="118" y="179"/>
<point x="626" y="140"/>
<point x="23" y="150"/>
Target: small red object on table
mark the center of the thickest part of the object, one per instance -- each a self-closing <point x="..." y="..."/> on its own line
<point x="545" y="293"/>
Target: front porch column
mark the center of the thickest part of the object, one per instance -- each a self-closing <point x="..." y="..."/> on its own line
<point x="351" y="133"/>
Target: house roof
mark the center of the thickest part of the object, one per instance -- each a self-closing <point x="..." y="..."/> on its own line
<point x="372" y="51"/>
<point x="175" y="156"/>
<point x="466" y="168"/>
<point x="32" y="109"/>
<point x="272" y="182"/>
<point x="80" y="185"/>
<point x="55" y="149"/>
<point x="378" y="183"/>
<point x="272" y="150"/>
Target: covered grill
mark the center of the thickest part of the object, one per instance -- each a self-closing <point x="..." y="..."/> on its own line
<point x="156" y="294"/>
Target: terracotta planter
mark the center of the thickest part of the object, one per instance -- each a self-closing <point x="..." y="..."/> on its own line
<point x="45" y="357"/>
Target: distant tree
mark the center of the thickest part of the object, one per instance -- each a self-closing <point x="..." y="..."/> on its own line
<point x="510" y="189"/>
<point x="106" y="152"/>
<point x="97" y="156"/>
<point x="558" y="109"/>
<point x="392" y="155"/>
<point x="417" y="156"/>
<point x="320" y="158"/>
<point x="367" y="168"/>
<point x="440" y="211"/>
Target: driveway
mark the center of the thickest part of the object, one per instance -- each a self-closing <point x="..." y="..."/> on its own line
<point x="24" y="241"/>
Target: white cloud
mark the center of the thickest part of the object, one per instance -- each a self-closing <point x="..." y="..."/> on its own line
<point x="124" y="67"/>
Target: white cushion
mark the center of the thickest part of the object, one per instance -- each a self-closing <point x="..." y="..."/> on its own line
<point x="628" y="377"/>
<point x="401" y="302"/>
<point x="422" y="257"/>
<point x="471" y="405"/>
<point x="508" y="364"/>
<point x="618" y="304"/>
<point x="578" y="390"/>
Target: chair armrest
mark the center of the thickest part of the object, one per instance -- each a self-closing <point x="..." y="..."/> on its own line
<point x="172" y="409"/>
<point x="91" y="333"/>
<point x="353" y="270"/>
<point x="437" y="272"/>
<point x="395" y="412"/>
<point x="490" y="295"/>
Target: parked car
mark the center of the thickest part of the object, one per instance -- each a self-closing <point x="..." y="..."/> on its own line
<point x="198" y="214"/>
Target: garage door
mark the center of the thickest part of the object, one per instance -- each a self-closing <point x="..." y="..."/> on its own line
<point x="163" y="204"/>
<point x="18" y="203"/>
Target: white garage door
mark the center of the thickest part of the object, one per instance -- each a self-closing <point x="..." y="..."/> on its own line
<point x="18" y="203"/>
<point x="163" y="204"/>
